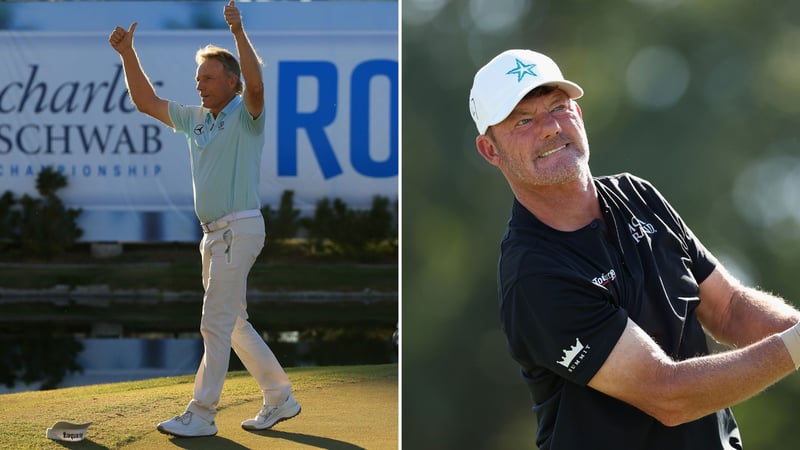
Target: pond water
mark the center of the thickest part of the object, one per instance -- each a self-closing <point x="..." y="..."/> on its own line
<point x="44" y="359"/>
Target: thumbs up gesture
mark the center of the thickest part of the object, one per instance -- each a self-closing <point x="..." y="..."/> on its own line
<point x="122" y="40"/>
<point x="233" y="17"/>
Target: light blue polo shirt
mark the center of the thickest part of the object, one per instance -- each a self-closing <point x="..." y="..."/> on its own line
<point x="225" y="156"/>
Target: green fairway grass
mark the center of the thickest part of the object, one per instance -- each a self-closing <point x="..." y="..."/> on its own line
<point x="344" y="407"/>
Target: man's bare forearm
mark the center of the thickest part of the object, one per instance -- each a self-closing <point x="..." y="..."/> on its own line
<point x="738" y="315"/>
<point x="755" y="315"/>
<point x="249" y="61"/>
<point x="141" y="90"/>
<point x="638" y="372"/>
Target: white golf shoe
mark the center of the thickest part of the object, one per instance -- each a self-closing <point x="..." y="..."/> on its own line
<point x="270" y="415"/>
<point x="187" y="425"/>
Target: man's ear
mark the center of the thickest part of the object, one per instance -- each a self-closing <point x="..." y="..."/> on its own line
<point x="487" y="149"/>
<point x="578" y="107"/>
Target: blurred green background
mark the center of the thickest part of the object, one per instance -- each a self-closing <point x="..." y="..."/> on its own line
<point x="700" y="97"/>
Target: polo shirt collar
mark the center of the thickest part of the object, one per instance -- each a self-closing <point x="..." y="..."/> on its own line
<point x="235" y="101"/>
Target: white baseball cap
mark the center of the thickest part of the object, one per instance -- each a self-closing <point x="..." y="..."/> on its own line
<point x="506" y="79"/>
<point x="68" y="431"/>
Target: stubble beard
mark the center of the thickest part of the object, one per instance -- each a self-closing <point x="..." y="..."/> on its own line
<point x="531" y="173"/>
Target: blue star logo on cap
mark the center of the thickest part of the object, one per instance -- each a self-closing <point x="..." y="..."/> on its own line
<point x="521" y="70"/>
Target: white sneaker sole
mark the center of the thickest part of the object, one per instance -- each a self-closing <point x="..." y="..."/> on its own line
<point x="268" y="426"/>
<point x="165" y="430"/>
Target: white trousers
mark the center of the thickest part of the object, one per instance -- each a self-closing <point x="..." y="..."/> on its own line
<point x="228" y="255"/>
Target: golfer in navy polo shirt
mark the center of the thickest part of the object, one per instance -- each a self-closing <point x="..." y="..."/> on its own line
<point x="225" y="135"/>
<point x="605" y="291"/>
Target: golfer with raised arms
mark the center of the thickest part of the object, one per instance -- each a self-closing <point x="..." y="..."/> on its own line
<point x="225" y="136"/>
<point x="605" y="291"/>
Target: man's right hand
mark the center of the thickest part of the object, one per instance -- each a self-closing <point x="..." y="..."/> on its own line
<point x="122" y="40"/>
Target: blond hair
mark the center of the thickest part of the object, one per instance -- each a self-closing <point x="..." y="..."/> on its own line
<point x="229" y="62"/>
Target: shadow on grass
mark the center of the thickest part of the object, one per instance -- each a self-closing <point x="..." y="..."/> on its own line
<point x="307" y="439"/>
<point x="221" y="443"/>
<point x="87" y="444"/>
<point x="206" y="443"/>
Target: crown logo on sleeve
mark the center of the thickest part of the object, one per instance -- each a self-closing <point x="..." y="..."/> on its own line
<point x="571" y="353"/>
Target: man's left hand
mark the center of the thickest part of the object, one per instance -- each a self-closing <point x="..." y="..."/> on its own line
<point x="233" y="17"/>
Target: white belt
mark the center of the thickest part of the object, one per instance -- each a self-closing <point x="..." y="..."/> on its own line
<point x="224" y="221"/>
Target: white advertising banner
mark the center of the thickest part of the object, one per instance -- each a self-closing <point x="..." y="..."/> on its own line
<point x="331" y="123"/>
